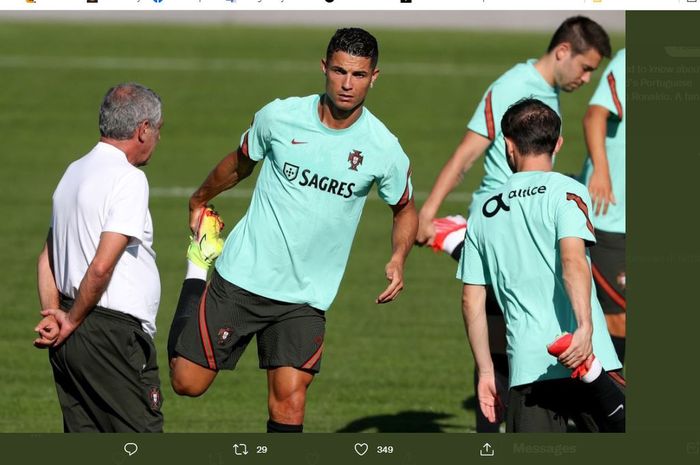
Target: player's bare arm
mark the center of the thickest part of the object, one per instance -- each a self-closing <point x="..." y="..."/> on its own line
<point x="403" y="236"/>
<point x="93" y="285"/>
<point x="577" y="280"/>
<point x="467" y="152"/>
<point x="231" y="170"/>
<point x="474" y="314"/>
<point x="600" y="185"/>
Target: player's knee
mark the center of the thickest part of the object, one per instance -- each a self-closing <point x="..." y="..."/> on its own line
<point x="288" y="407"/>
<point x="186" y="387"/>
<point x="186" y="383"/>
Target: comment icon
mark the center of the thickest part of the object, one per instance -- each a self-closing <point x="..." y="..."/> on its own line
<point x="131" y="448"/>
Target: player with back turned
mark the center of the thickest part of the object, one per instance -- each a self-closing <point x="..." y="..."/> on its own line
<point x="528" y="240"/>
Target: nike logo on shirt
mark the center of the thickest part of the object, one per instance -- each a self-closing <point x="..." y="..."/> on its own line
<point x="295" y="142"/>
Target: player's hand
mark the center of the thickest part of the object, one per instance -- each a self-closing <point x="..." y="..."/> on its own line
<point x="426" y="231"/>
<point x="47" y="330"/>
<point x="394" y="273"/>
<point x="579" y="350"/>
<point x="600" y="188"/>
<point x="66" y="325"/>
<point x="489" y="401"/>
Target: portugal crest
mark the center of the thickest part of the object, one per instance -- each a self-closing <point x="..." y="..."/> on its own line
<point x="290" y="171"/>
<point x="155" y="398"/>
<point x="355" y="158"/>
<point x="224" y="335"/>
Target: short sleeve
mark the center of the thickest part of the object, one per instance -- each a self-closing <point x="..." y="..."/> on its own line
<point x="610" y="91"/>
<point x="255" y="141"/>
<point x="128" y="206"/>
<point x="483" y="121"/>
<point x="395" y="186"/>
<point x="472" y="268"/>
<point x="572" y="213"/>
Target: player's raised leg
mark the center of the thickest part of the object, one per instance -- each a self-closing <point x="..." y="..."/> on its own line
<point x="189" y="378"/>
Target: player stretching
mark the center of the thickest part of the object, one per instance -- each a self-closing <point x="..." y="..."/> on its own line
<point x="528" y="240"/>
<point x="282" y="264"/>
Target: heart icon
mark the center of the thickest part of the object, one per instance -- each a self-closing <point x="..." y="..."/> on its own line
<point x="361" y="448"/>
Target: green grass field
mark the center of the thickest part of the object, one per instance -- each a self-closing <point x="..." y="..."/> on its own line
<point x="400" y="367"/>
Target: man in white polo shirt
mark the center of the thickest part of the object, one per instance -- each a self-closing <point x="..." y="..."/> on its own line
<point x="98" y="266"/>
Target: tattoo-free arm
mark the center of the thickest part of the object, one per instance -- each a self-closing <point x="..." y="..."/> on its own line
<point x="231" y="170"/>
<point x="47" y="328"/>
<point x="600" y="184"/>
<point x="94" y="283"/>
<point x="46" y="282"/>
<point x="403" y="235"/>
<point x="474" y="314"/>
<point x="452" y="173"/>
<point x="577" y="280"/>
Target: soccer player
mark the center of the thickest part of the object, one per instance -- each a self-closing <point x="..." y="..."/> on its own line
<point x="528" y="240"/>
<point x="98" y="266"/>
<point x="574" y="52"/>
<point x="282" y="264"/>
<point x="604" y="174"/>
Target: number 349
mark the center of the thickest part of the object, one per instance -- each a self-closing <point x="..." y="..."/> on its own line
<point x="385" y="449"/>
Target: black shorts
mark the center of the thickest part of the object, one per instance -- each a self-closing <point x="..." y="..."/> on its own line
<point x="608" y="260"/>
<point x="228" y="318"/>
<point x="547" y="406"/>
<point x="106" y="375"/>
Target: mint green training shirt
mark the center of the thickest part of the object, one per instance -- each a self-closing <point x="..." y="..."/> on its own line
<point x="512" y="243"/>
<point x="293" y="243"/>
<point x="521" y="81"/>
<point x="610" y="94"/>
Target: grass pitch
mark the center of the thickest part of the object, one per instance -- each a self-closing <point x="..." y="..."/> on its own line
<point x="399" y="367"/>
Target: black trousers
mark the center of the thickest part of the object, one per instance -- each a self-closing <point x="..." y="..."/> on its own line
<point x="106" y="376"/>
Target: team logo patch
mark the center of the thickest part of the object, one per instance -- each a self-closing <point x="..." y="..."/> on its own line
<point x="291" y="171"/>
<point x="155" y="398"/>
<point x="224" y="335"/>
<point x="355" y="158"/>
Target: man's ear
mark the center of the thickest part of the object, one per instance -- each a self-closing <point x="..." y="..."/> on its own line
<point x="562" y="50"/>
<point x="375" y="76"/>
<point x="510" y="146"/>
<point x="142" y="130"/>
<point x="557" y="148"/>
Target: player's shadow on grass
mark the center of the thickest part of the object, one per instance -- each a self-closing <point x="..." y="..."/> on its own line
<point x="410" y="421"/>
<point x="470" y="404"/>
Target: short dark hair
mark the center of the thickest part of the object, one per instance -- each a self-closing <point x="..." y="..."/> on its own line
<point x="532" y="126"/>
<point x="583" y="34"/>
<point x="354" y="41"/>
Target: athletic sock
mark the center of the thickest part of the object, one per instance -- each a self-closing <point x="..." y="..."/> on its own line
<point x="457" y="251"/>
<point x="274" y="427"/>
<point x="190" y="295"/>
<point x="609" y="402"/>
<point x="195" y="271"/>
<point x="453" y="240"/>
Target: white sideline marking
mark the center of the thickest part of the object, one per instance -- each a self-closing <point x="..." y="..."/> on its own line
<point x="178" y="192"/>
<point x="234" y="64"/>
